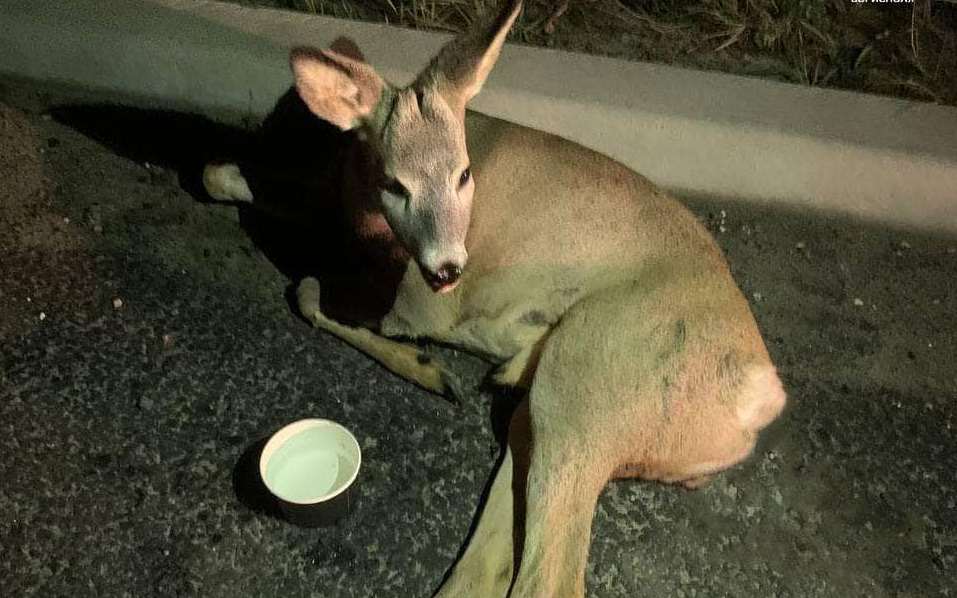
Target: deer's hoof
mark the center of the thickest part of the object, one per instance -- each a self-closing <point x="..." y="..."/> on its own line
<point x="452" y="388"/>
<point x="224" y="182"/>
<point x="307" y="296"/>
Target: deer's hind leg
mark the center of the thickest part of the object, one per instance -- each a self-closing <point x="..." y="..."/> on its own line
<point x="487" y="566"/>
<point x="561" y="454"/>
<point x="573" y="453"/>
<point x="498" y="547"/>
<point x="630" y="382"/>
<point x="631" y="377"/>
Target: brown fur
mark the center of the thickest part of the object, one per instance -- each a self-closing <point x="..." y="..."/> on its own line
<point x="598" y="293"/>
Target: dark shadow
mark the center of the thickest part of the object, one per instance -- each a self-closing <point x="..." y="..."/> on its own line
<point x="172" y="140"/>
<point x="293" y="164"/>
<point x="504" y="402"/>
<point x="248" y="485"/>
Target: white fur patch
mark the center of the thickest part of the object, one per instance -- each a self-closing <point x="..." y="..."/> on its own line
<point x="762" y="398"/>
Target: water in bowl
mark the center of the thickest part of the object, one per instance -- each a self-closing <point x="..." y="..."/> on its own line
<point x="303" y="469"/>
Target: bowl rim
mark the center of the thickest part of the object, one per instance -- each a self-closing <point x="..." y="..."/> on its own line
<point x="285" y="433"/>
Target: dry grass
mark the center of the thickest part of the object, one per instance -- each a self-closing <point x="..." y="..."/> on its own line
<point x="907" y="50"/>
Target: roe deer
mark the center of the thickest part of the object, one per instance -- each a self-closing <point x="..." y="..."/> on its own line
<point x="600" y="297"/>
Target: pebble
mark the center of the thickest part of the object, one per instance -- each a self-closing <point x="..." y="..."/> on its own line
<point x="43" y="316"/>
<point x="117" y="303"/>
<point x="801" y="245"/>
<point x="858" y="302"/>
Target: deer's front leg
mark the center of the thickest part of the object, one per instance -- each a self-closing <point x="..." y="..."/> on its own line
<point x="403" y="359"/>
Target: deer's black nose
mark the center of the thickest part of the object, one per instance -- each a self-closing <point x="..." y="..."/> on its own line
<point x="448" y="274"/>
<point x="443" y="278"/>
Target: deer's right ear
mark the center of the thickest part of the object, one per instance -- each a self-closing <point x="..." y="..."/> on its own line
<point x="460" y="68"/>
<point x="335" y="87"/>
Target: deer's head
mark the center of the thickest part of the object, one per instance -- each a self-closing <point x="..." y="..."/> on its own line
<point x="418" y="135"/>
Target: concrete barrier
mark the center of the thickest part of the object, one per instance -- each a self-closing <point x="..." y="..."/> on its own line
<point x="880" y="159"/>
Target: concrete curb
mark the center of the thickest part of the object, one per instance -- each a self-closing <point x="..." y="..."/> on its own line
<point x="879" y="159"/>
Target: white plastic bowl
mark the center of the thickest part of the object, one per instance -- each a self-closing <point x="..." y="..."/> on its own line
<point x="310" y="466"/>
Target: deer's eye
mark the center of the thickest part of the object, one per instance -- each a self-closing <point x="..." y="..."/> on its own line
<point x="466" y="175"/>
<point x="396" y="188"/>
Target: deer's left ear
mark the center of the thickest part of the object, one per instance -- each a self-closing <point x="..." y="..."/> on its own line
<point x="461" y="66"/>
<point x="336" y="87"/>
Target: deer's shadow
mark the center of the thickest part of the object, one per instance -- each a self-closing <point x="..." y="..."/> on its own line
<point x="292" y="163"/>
